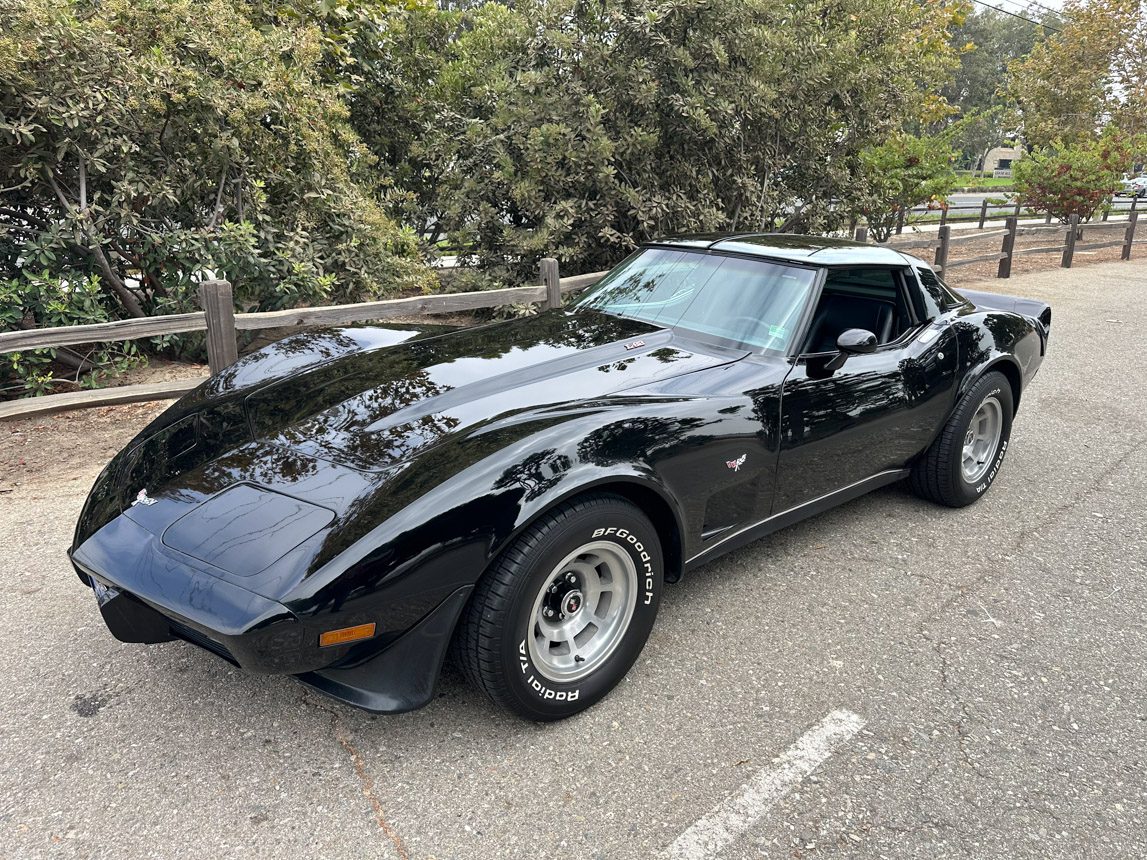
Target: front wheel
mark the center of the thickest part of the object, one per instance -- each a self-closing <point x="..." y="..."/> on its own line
<point x="964" y="460"/>
<point x="564" y="612"/>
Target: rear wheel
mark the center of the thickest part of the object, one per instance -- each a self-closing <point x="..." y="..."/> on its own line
<point x="564" y="612"/>
<point x="964" y="460"/>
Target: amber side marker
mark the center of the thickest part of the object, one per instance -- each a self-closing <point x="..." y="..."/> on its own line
<point x="346" y="634"/>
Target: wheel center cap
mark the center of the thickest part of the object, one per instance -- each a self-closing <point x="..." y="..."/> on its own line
<point x="572" y="602"/>
<point x="968" y="439"/>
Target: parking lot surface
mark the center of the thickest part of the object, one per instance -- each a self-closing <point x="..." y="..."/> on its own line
<point x="890" y="679"/>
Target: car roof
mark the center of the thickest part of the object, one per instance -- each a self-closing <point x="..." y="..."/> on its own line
<point x="820" y="250"/>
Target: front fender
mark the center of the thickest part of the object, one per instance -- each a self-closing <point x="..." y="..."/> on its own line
<point x="639" y="484"/>
<point x="438" y="522"/>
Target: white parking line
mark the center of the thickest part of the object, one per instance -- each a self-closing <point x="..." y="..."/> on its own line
<point x="737" y="813"/>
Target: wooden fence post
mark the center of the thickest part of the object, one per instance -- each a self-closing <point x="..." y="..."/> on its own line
<point x="941" y="261"/>
<point x="219" y="308"/>
<point x="1008" y="246"/>
<point x="1129" y="236"/>
<point x="983" y="213"/>
<point x="1069" y="242"/>
<point x="549" y="269"/>
<point x="861" y="234"/>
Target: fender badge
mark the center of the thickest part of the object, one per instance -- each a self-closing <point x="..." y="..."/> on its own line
<point x="637" y="344"/>
<point x="736" y="465"/>
<point x="142" y="498"/>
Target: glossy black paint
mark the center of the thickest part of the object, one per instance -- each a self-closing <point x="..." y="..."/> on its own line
<point x="372" y="474"/>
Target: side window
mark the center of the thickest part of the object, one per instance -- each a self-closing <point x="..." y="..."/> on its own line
<point x="937" y="297"/>
<point x="867" y="298"/>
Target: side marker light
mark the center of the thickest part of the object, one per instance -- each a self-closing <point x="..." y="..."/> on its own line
<point x="346" y="634"/>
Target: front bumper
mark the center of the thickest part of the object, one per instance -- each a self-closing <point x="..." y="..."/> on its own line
<point x="147" y="595"/>
<point x="155" y="596"/>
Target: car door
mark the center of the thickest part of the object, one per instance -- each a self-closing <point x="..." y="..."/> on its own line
<point x="877" y="411"/>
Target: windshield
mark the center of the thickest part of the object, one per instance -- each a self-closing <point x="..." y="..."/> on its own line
<point x="753" y="303"/>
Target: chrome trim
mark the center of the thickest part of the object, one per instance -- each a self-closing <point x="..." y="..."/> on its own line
<point x="879" y="476"/>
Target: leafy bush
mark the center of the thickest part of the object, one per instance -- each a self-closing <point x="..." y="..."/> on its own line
<point x="903" y="172"/>
<point x="1072" y="180"/>
<point x="557" y="127"/>
<point x="39" y="300"/>
<point x="152" y="141"/>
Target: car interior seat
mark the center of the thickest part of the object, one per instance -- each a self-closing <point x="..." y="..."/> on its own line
<point x="838" y="313"/>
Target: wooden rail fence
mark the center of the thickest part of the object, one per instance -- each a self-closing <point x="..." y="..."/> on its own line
<point x="941" y="243"/>
<point x="979" y="212"/>
<point x="219" y="320"/>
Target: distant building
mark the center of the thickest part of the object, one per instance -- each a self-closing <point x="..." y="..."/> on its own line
<point x="999" y="159"/>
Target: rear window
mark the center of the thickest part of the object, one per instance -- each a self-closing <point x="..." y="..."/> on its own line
<point x="936" y="292"/>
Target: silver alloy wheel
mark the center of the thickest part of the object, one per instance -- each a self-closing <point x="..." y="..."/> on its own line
<point x="582" y="611"/>
<point x="981" y="440"/>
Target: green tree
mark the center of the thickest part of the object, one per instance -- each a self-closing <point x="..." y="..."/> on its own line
<point x="988" y="40"/>
<point x="1093" y="72"/>
<point x="903" y="172"/>
<point x="577" y="129"/>
<point x="386" y="58"/>
<point x="149" y="142"/>
<point x="1073" y="179"/>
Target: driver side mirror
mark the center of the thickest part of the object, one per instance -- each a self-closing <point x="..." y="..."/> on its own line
<point x="853" y="341"/>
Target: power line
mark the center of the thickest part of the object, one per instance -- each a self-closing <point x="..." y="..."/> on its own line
<point x="987" y="5"/>
<point x="1027" y="4"/>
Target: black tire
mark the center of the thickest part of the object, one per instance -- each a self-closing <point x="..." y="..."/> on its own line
<point x="491" y="642"/>
<point x="939" y="475"/>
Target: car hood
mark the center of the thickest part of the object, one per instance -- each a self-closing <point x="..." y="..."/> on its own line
<point x="232" y="476"/>
<point x="372" y="410"/>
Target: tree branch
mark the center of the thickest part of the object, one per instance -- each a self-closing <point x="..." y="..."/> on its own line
<point x="83" y="185"/>
<point x="24" y="216"/>
<point x="94" y="250"/>
<point x="218" y="210"/>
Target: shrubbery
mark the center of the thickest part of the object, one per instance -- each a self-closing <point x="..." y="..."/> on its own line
<point x="40" y="299"/>
<point x="148" y="142"/>
<point x="902" y="173"/>
<point x="1072" y="180"/>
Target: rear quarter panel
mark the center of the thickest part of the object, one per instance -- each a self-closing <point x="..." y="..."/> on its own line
<point x="988" y="339"/>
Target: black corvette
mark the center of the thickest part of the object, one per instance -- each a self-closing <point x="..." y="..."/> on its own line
<point x="349" y="505"/>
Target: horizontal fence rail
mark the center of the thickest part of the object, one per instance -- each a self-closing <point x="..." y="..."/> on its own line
<point x="221" y="323"/>
<point x="941" y="243"/>
<point x="40" y="338"/>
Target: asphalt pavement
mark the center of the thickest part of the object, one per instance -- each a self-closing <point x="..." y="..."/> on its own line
<point x="966" y="203"/>
<point x="891" y="679"/>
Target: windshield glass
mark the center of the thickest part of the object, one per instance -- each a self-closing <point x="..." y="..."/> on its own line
<point x="753" y="303"/>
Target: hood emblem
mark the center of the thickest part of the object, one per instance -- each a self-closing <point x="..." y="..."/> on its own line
<point x="142" y="498"/>
<point x="736" y="465"/>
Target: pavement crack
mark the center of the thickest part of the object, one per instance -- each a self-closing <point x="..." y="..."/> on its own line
<point x="963" y="736"/>
<point x="367" y="782"/>
<point x="964" y="590"/>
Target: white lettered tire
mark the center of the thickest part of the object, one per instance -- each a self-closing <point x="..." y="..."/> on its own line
<point x="963" y="462"/>
<point x="561" y="616"/>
